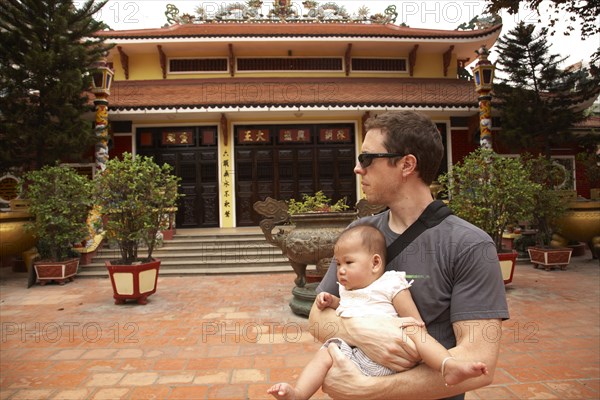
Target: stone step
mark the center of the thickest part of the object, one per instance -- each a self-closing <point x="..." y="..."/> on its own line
<point x="206" y="252"/>
<point x="88" y="271"/>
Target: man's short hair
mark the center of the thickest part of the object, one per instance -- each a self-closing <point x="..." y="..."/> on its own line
<point x="410" y="132"/>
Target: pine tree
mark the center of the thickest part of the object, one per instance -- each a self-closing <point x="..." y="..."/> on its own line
<point x="47" y="51"/>
<point x="537" y="97"/>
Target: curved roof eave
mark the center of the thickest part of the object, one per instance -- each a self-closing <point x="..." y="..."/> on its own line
<point x="287" y="31"/>
<point x="287" y="107"/>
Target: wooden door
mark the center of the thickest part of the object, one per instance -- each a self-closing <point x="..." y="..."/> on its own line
<point x="286" y="161"/>
<point x="192" y="152"/>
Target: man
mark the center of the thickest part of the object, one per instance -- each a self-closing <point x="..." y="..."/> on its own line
<point x="457" y="287"/>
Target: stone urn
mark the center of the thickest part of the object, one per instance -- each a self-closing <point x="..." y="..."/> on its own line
<point x="307" y="239"/>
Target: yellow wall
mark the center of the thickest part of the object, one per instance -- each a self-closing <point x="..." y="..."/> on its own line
<point x="147" y="67"/>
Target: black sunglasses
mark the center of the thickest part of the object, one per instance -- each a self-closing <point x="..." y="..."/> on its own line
<point x="365" y="159"/>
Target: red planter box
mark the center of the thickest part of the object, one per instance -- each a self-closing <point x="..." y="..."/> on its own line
<point x="507" y="265"/>
<point x="135" y="282"/>
<point x="59" y="271"/>
<point x="550" y="258"/>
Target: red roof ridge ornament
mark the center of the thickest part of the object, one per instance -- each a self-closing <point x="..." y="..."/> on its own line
<point x="282" y="11"/>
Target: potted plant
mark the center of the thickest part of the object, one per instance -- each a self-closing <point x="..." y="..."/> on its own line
<point x="491" y="191"/>
<point x="135" y="195"/>
<point x="318" y="202"/>
<point x="550" y="205"/>
<point x="59" y="202"/>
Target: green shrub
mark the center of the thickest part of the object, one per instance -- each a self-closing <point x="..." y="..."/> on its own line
<point x="59" y="202"/>
<point x="316" y="203"/>
<point x="135" y="196"/>
<point x="490" y="191"/>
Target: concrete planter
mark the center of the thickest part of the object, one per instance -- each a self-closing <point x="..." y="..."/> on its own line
<point x="133" y="282"/>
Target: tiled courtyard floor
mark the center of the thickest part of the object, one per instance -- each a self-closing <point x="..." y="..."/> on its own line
<point x="230" y="337"/>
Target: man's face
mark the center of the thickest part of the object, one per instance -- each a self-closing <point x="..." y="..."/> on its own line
<point x="379" y="178"/>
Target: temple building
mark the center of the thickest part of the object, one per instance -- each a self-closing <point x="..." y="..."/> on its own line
<point x="246" y="106"/>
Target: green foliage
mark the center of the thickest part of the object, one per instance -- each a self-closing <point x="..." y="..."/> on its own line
<point x="317" y="203"/>
<point x="537" y="97"/>
<point x="135" y="195"/>
<point x="550" y="204"/>
<point x="490" y="191"/>
<point x="591" y="166"/>
<point x="46" y="56"/>
<point x="60" y="201"/>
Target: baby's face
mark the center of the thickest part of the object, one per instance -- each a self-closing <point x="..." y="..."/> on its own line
<point x="354" y="265"/>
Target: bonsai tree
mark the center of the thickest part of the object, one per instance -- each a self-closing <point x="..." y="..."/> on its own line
<point x="135" y="194"/>
<point x="549" y="203"/>
<point x="490" y="191"/>
<point x="60" y="201"/>
<point x="317" y="203"/>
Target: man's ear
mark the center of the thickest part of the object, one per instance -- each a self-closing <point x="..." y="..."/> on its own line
<point x="409" y="164"/>
<point x="376" y="263"/>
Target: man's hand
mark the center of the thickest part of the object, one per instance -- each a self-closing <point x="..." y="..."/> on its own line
<point x="344" y="380"/>
<point x="384" y="340"/>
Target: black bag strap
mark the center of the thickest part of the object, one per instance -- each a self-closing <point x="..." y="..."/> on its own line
<point x="435" y="213"/>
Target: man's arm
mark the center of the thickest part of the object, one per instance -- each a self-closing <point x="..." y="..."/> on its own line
<point x="379" y="337"/>
<point x="344" y="381"/>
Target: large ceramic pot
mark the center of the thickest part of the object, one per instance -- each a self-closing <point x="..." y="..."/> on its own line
<point x="308" y="240"/>
<point x="15" y="238"/>
<point x="580" y="221"/>
<point x="135" y="282"/>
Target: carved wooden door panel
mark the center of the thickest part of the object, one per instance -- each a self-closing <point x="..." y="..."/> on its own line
<point x="286" y="161"/>
<point x="194" y="159"/>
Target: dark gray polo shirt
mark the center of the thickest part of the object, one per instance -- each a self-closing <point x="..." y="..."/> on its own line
<point x="456" y="275"/>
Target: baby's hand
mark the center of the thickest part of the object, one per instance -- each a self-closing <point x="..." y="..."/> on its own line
<point x="324" y="300"/>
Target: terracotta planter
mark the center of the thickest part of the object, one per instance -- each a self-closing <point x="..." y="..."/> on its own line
<point x="550" y="258"/>
<point x="59" y="271"/>
<point x="507" y="265"/>
<point x="133" y="282"/>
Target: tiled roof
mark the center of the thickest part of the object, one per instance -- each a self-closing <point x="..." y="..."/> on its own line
<point x="295" y="29"/>
<point x="322" y="92"/>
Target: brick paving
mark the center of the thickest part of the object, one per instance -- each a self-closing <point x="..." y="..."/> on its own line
<point x="232" y="336"/>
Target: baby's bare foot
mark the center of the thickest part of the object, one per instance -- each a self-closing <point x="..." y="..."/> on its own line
<point x="456" y="371"/>
<point x="282" y="391"/>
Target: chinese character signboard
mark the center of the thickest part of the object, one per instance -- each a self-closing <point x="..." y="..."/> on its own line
<point x="247" y="136"/>
<point x="334" y="135"/>
<point x="295" y="135"/>
<point x="183" y="137"/>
